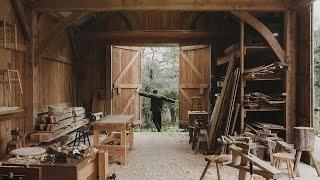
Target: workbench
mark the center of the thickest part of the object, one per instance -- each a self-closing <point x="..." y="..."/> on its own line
<point x="90" y="168"/>
<point x="192" y="115"/>
<point x="122" y="124"/>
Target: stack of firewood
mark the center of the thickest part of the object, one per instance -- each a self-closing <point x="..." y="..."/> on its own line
<point x="256" y="100"/>
<point x="274" y="70"/>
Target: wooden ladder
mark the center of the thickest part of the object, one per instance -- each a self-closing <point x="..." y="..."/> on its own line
<point x="11" y="79"/>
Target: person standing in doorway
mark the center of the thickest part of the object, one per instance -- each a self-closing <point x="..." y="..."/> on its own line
<point x="156" y="107"/>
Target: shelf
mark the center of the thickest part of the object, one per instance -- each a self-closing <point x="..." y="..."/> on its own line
<point x="264" y="110"/>
<point x="10" y="110"/>
<point x="255" y="48"/>
<point x="263" y="79"/>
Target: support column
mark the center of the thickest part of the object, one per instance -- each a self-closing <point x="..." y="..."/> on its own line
<point x="31" y="92"/>
<point x="290" y="32"/>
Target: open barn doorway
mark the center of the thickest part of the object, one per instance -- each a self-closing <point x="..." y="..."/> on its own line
<point x="160" y="72"/>
<point x="180" y="73"/>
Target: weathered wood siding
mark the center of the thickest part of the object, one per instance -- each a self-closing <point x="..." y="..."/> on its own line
<point x="16" y="60"/>
<point x="55" y="74"/>
<point x="55" y="69"/>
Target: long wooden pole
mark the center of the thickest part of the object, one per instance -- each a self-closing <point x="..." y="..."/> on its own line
<point x="242" y="115"/>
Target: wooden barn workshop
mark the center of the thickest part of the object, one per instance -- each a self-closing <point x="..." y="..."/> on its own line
<point x="70" y="80"/>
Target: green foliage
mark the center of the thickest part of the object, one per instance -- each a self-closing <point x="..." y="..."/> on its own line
<point x="160" y="70"/>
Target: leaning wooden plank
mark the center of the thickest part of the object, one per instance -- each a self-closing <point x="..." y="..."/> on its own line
<point x="217" y="107"/>
<point x="256" y="161"/>
<point x="233" y="99"/>
<point x="257" y="171"/>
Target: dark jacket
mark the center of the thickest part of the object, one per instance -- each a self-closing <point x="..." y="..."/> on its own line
<point x="156" y="101"/>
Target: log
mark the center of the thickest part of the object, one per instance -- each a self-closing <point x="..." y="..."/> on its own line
<point x="304" y="138"/>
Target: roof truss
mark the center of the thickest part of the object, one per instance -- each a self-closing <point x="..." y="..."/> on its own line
<point x="151" y="5"/>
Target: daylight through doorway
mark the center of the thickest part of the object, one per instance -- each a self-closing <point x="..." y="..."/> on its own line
<point x="160" y="71"/>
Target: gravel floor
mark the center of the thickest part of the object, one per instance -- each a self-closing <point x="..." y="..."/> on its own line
<point x="165" y="156"/>
<point x="168" y="156"/>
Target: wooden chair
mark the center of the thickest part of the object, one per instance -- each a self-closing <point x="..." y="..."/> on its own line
<point x="304" y="141"/>
<point x="288" y="159"/>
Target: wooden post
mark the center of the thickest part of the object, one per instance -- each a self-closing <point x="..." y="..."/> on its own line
<point x="96" y="137"/>
<point x="242" y="113"/>
<point x="103" y="165"/>
<point x="290" y="76"/>
<point x="31" y="82"/>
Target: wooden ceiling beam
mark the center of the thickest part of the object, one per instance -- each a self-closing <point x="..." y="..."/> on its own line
<point x="171" y="35"/>
<point x="60" y="27"/>
<point x="156" y="5"/>
<point x="263" y="30"/>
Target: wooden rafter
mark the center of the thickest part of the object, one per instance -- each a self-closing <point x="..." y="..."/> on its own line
<point x="60" y="27"/>
<point x="263" y="30"/>
<point x="150" y="5"/>
<point x="19" y="9"/>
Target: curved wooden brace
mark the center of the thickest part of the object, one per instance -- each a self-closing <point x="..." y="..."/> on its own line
<point x="130" y="20"/>
<point x="49" y="37"/>
<point x="190" y="20"/>
<point x="263" y="30"/>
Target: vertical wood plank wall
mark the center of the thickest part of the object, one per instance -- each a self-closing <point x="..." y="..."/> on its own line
<point x="17" y="60"/>
<point x="55" y="74"/>
<point x="55" y="69"/>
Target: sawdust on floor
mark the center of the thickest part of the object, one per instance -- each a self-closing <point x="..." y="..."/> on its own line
<point x="166" y="156"/>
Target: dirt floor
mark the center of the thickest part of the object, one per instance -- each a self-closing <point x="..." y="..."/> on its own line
<point x="168" y="156"/>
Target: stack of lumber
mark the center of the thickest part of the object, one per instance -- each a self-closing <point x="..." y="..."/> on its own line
<point x="256" y="100"/>
<point x="224" y="112"/>
<point x="274" y="70"/>
<point x="58" y="122"/>
<point x="256" y="126"/>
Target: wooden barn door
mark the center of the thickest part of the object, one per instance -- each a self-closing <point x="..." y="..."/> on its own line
<point x="194" y="80"/>
<point x="126" y="80"/>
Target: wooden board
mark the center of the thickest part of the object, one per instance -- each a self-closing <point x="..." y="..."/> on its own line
<point x="48" y="137"/>
<point x="194" y="79"/>
<point x="126" y="71"/>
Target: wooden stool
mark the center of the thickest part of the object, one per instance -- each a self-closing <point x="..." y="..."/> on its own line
<point x="82" y="133"/>
<point x="219" y="160"/>
<point x="285" y="157"/>
<point x="304" y="141"/>
<point x="202" y="137"/>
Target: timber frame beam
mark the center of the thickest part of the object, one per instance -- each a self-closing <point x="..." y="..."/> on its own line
<point x="19" y="8"/>
<point x="151" y="5"/>
<point x="263" y="30"/>
<point x="50" y="36"/>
